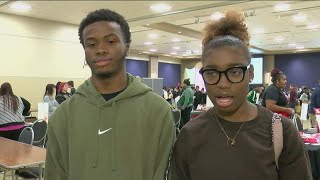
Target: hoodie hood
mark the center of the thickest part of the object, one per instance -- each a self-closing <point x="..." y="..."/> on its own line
<point x="135" y="86"/>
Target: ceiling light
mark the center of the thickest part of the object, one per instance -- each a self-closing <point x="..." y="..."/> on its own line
<point x="147" y="24"/>
<point x="312" y="26"/>
<point x="20" y="6"/>
<point x="153" y="50"/>
<point x="196" y="51"/>
<point x="173" y="53"/>
<point x="300" y="47"/>
<point x="175" y="40"/>
<point x="148" y="43"/>
<point x="217" y="15"/>
<point x="160" y="7"/>
<point x="258" y="31"/>
<point x="176" y="47"/>
<point x="299" y="17"/>
<point x="292" y="44"/>
<point x="282" y="7"/>
<point x="179" y="32"/>
<point x="279" y="39"/>
<point x="153" y="36"/>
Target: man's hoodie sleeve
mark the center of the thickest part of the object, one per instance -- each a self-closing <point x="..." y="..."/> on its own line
<point x="166" y="141"/>
<point x="56" y="164"/>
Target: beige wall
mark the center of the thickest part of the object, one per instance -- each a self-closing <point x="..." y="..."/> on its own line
<point x="268" y="65"/>
<point x="36" y="52"/>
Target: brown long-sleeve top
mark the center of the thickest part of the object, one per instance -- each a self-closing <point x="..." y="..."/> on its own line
<point x="201" y="151"/>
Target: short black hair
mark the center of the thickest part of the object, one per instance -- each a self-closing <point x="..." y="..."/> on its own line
<point x="105" y="15"/>
<point x="187" y="82"/>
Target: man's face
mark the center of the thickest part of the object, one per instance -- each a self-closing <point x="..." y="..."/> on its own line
<point x="105" y="49"/>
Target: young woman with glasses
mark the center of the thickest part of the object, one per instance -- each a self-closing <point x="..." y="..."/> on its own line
<point x="233" y="140"/>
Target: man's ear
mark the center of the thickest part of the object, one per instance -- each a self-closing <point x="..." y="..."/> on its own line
<point x="127" y="49"/>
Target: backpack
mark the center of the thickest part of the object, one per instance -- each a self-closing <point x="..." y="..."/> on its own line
<point x="277" y="137"/>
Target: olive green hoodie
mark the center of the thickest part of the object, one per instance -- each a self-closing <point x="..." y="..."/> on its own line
<point x="128" y="137"/>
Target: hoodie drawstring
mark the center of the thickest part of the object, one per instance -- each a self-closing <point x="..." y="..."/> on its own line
<point x="114" y="154"/>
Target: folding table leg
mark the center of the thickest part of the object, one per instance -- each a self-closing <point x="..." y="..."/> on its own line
<point x="13" y="174"/>
<point x="40" y="172"/>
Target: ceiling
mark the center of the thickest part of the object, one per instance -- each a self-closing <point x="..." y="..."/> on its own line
<point x="273" y="31"/>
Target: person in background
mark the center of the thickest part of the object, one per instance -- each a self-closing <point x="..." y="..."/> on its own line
<point x="185" y="103"/>
<point x="63" y="92"/>
<point x="273" y="97"/>
<point x="114" y="127"/>
<point x="198" y="98"/>
<point x="27" y="106"/>
<point x="57" y="87"/>
<point x="49" y="98"/>
<point x="315" y="103"/>
<point x="204" y="97"/>
<point x="305" y="96"/>
<point x="233" y="140"/>
<point x="254" y="95"/>
<point x="293" y="99"/>
<point x="71" y="86"/>
<point x="165" y="93"/>
<point x="11" y="108"/>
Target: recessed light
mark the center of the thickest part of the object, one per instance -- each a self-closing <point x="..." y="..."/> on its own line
<point x="20" y="6"/>
<point x="153" y="36"/>
<point x="140" y="53"/>
<point x="300" y="47"/>
<point x="175" y="40"/>
<point x="179" y="32"/>
<point x="217" y="15"/>
<point x="282" y="7"/>
<point x="153" y="50"/>
<point x="160" y="7"/>
<point x="176" y="47"/>
<point x="147" y="24"/>
<point x="292" y="44"/>
<point x="299" y="17"/>
<point x="196" y="51"/>
<point x="148" y="43"/>
<point x="258" y="30"/>
<point x="312" y="26"/>
<point x="279" y="39"/>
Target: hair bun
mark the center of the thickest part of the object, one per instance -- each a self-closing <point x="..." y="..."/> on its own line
<point x="274" y="72"/>
<point x="232" y="24"/>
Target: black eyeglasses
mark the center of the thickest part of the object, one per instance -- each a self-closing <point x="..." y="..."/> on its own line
<point x="233" y="74"/>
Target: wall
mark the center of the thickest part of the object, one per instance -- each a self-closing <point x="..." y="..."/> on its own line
<point x="300" y="69"/>
<point x="36" y="52"/>
<point x="137" y="67"/>
<point x="171" y="73"/>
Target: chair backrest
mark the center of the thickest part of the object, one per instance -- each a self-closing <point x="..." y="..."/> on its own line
<point x="176" y="116"/>
<point x="26" y="135"/>
<point x="40" y="131"/>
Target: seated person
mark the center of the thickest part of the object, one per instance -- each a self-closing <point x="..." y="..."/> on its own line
<point x="11" y="118"/>
<point x="63" y="92"/>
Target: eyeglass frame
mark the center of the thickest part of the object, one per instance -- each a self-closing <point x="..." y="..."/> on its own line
<point x="244" y="69"/>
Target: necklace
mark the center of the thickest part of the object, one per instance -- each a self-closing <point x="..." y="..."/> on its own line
<point x="231" y="141"/>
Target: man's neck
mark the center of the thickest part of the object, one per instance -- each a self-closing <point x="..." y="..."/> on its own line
<point x="110" y="85"/>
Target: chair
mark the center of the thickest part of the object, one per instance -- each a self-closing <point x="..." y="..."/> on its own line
<point x="177" y="118"/>
<point x="40" y="132"/>
<point x="37" y="129"/>
<point x="26" y="136"/>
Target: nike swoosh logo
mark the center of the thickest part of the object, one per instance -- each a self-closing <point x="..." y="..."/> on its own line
<point x="102" y="132"/>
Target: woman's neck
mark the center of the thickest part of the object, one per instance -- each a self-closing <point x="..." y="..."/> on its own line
<point x="247" y="111"/>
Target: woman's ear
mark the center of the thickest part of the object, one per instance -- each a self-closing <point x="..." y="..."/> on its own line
<point x="251" y="72"/>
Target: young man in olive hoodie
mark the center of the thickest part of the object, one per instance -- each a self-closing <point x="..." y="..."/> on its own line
<point x="114" y="127"/>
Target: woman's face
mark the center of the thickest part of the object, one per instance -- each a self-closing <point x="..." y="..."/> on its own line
<point x="282" y="82"/>
<point x="226" y="96"/>
<point x="65" y="87"/>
